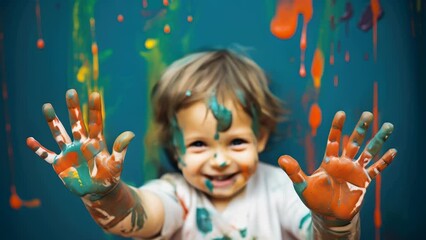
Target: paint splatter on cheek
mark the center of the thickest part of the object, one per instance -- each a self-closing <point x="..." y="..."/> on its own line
<point x="209" y="185"/>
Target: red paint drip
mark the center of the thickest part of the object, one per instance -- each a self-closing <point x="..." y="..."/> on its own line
<point x="336" y="80"/>
<point x="40" y="41"/>
<point x="377" y="212"/>
<point x="284" y="23"/>
<point x="315" y="118"/>
<point x="375" y="10"/>
<point x="317" y="68"/>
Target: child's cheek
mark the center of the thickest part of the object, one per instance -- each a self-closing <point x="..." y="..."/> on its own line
<point x="248" y="163"/>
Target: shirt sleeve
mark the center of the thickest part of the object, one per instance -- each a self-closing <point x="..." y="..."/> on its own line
<point x="165" y="189"/>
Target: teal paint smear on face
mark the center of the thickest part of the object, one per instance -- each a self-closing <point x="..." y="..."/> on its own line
<point x="204" y="223"/>
<point x="221" y="113"/>
<point x="178" y="140"/>
<point x="209" y="185"/>
<point x="216" y="136"/>
<point x="223" y="164"/>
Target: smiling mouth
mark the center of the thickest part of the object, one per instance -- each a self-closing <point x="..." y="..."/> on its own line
<point x="220" y="177"/>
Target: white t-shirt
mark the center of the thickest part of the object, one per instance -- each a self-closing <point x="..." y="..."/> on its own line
<point x="269" y="209"/>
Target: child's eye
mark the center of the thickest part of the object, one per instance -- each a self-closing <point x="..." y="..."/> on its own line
<point x="237" y="142"/>
<point x="197" y="144"/>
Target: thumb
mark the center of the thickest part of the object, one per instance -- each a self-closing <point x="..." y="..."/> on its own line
<point x="120" y="145"/>
<point x="292" y="168"/>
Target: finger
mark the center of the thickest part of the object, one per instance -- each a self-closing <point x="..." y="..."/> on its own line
<point x="333" y="142"/>
<point x="293" y="170"/>
<point x="358" y="135"/>
<point x="382" y="163"/>
<point x="56" y="127"/>
<point x="41" y="151"/>
<point x="76" y="118"/>
<point x="119" y="151"/>
<point x="374" y="146"/>
<point x="95" y="116"/>
<point x="92" y="148"/>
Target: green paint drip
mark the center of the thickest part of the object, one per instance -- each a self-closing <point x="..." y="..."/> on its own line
<point x="221" y="113"/>
<point x="204" y="223"/>
<point x="209" y="185"/>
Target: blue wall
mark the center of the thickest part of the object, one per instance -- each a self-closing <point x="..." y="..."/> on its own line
<point x="36" y="76"/>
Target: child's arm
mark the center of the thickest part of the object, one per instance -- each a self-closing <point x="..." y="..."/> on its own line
<point x="88" y="170"/>
<point x="335" y="191"/>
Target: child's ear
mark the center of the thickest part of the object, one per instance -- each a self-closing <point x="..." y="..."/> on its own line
<point x="262" y="139"/>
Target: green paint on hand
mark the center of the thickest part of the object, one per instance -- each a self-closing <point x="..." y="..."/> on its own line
<point x="300" y="187"/>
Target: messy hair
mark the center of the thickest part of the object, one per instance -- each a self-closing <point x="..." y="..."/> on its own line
<point x="219" y="73"/>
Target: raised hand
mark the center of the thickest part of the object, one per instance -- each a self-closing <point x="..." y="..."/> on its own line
<point x="337" y="188"/>
<point x="84" y="164"/>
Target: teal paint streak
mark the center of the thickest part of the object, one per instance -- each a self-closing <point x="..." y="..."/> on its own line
<point x="223" y="164"/>
<point x="178" y="140"/>
<point x="361" y="128"/>
<point x="188" y="93"/>
<point x="216" y="136"/>
<point x="376" y="143"/>
<point x="221" y="113"/>
<point x="204" y="223"/>
<point x="209" y="185"/>
<point x="304" y="219"/>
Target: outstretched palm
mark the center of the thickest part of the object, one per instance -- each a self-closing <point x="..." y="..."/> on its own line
<point x="84" y="164"/>
<point x="337" y="188"/>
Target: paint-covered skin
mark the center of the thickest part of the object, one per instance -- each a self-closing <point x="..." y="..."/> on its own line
<point x="84" y="164"/>
<point x="337" y="188"/>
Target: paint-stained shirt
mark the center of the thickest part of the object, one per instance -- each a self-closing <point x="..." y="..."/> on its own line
<point x="269" y="209"/>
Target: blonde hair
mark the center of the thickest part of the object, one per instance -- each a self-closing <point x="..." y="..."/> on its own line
<point x="219" y="73"/>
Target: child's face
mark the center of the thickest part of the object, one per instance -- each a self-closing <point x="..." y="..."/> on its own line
<point x="218" y="163"/>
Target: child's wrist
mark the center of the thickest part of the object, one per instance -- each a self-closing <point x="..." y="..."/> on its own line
<point x="112" y="207"/>
<point x="331" y="227"/>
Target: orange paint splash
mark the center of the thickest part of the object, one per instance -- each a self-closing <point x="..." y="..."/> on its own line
<point x="315" y="118"/>
<point x="377" y="212"/>
<point x="284" y="23"/>
<point x="120" y="18"/>
<point x="336" y="80"/>
<point x="167" y="28"/>
<point x="317" y="68"/>
<point x="375" y="10"/>
<point x="347" y="56"/>
<point x="189" y="18"/>
<point x="16" y="202"/>
<point x="166" y="3"/>
<point x="40" y="41"/>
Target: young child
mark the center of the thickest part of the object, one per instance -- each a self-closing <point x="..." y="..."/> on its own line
<point x="214" y="114"/>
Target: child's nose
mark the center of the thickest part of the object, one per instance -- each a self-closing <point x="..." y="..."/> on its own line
<point x="219" y="160"/>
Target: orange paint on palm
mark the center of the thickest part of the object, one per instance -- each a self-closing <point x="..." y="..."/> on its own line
<point x="284" y="23"/>
<point x="317" y="68"/>
<point x="69" y="160"/>
<point x="315" y="118"/>
<point x="375" y="10"/>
